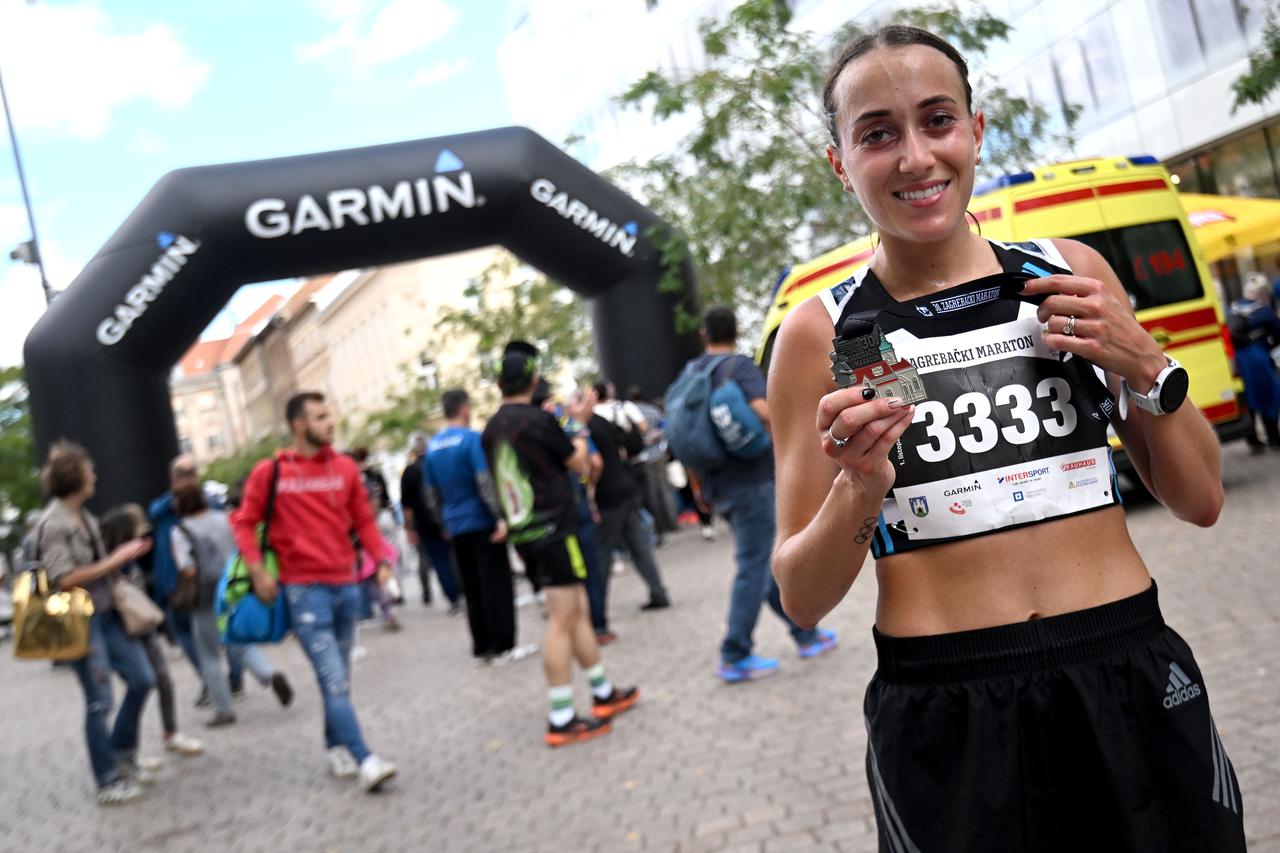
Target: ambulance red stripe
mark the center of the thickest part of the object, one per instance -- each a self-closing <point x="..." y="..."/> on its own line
<point x="830" y="268"/>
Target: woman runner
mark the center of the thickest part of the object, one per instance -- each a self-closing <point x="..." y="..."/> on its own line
<point x="1028" y="694"/>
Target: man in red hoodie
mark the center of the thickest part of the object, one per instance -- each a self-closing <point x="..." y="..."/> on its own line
<point x="320" y="498"/>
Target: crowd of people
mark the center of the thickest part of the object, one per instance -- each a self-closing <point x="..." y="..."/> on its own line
<point x="563" y="490"/>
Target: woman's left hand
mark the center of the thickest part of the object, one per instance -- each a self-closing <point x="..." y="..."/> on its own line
<point x="1105" y="330"/>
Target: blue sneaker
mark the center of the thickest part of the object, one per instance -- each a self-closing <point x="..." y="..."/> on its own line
<point x="749" y="668"/>
<point x="820" y="645"/>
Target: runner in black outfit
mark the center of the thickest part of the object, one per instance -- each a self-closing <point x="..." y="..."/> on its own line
<point x="1029" y="696"/>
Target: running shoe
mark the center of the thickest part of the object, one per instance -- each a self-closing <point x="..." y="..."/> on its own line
<point x="375" y="772"/>
<point x="820" y="645"/>
<point x="132" y="771"/>
<point x="203" y="700"/>
<point x="119" y="792"/>
<point x="656" y="604"/>
<point x="183" y="744"/>
<point x="219" y="720"/>
<point x="341" y="764"/>
<point x="750" y="668"/>
<point x="621" y="699"/>
<point x="282" y="688"/>
<point x="576" y="730"/>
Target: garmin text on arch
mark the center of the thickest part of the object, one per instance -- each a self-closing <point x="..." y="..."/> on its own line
<point x="620" y="237"/>
<point x="269" y="218"/>
<point x="177" y="249"/>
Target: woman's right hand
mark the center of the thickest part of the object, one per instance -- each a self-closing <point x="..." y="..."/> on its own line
<point x="870" y="428"/>
<point x="127" y="552"/>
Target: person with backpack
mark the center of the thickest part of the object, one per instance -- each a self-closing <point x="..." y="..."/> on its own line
<point x="317" y="497"/>
<point x="718" y="425"/>
<point x="201" y="542"/>
<point x="619" y="493"/>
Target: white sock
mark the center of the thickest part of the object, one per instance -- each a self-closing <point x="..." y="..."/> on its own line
<point x="601" y="686"/>
<point x="561" y="697"/>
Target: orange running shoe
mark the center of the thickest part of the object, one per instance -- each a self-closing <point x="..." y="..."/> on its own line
<point x="576" y="731"/>
<point x="621" y="699"/>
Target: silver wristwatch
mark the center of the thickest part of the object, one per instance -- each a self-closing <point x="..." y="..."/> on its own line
<point x="1166" y="395"/>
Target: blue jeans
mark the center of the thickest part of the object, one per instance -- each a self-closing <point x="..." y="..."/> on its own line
<point x="110" y="648"/>
<point x="750" y="513"/>
<point x="179" y="622"/>
<point x="324" y="618"/>
<point x="596" y="590"/>
<point x="437" y="554"/>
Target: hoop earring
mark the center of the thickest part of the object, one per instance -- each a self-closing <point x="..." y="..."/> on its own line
<point x="976" y="223"/>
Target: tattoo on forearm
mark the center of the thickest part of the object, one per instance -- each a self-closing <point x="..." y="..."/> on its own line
<point x="864" y="533"/>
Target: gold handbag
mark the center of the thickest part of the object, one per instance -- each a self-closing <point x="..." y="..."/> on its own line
<point x="49" y="625"/>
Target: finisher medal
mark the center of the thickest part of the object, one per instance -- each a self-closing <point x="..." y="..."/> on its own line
<point x="864" y="358"/>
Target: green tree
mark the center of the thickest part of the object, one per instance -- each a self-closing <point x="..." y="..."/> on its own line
<point x="19" y="476"/>
<point x="1256" y="84"/>
<point x="506" y="303"/>
<point x="750" y="188"/>
<point x="389" y="428"/>
<point x="232" y="469"/>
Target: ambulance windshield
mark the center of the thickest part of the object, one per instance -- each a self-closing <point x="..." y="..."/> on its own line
<point x="1152" y="260"/>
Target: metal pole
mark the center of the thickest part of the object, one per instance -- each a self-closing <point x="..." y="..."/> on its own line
<point x="26" y="198"/>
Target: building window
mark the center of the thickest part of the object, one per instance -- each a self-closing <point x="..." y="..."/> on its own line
<point x="1198" y="34"/>
<point x="1243" y="167"/>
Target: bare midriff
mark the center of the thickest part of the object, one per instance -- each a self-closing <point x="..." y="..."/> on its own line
<point x="1045" y="569"/>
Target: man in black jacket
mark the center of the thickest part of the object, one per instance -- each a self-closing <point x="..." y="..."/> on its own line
<point x="618" y="498"/>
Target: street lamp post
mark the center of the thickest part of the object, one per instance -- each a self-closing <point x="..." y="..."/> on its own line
<point x="33" y="256"/>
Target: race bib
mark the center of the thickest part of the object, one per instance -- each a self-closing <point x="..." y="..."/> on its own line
<point x="1012" y="431"/>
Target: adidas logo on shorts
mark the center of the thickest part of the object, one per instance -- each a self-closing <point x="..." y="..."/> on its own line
<point x="1180" y="688"/>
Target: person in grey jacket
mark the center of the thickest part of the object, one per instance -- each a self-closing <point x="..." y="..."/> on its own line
<point x="69" y="546"/>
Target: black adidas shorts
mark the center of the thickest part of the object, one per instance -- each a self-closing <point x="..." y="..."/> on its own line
<point x="1088" y="731"/>
<point x="556" y="563"/>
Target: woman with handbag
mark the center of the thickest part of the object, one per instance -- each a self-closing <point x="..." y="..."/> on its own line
<point x="69" y="545"/>
<point x="119" y="525"/>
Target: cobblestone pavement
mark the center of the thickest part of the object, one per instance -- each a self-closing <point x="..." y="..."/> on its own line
<point x="771" y="766"/>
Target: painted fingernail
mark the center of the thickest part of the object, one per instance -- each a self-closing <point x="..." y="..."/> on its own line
<point x="895" y="402"/>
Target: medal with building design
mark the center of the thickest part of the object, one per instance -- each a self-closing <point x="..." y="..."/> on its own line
<point x="864" y="358"/>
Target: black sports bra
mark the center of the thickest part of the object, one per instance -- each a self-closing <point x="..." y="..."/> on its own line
<point x="1012" y="433"/>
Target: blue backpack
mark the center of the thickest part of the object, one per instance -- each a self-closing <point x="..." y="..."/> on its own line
<point x="707" y="424"/>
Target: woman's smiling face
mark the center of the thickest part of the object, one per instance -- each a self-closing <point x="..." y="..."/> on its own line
<point x="908" y="143"/>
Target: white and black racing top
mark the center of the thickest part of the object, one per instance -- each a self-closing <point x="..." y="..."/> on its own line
<point x="1012" y="433"/>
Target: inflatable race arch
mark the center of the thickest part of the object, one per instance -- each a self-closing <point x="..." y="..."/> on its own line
<point x="99" y="360"/>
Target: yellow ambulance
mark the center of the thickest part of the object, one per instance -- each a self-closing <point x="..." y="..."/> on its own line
<point x="1125" y="208"/>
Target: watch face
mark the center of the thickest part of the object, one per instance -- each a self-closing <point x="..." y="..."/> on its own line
<point x="1174" y="389"/>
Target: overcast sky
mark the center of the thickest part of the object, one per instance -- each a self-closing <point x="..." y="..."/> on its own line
<point x="108" y="96"/>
